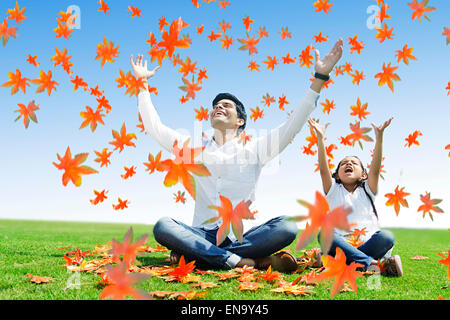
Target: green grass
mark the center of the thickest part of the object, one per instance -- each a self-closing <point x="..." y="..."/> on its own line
<point x="31" y="247"/>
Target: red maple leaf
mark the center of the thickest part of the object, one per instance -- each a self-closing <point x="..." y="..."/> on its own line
<point x="100" y="196"/>
<point x="106" y="52"/>
<point x="412" y="139"/>
<point x="397" y="198"/>
<point x="445" y="262"/>
<point x="72" y="169"/>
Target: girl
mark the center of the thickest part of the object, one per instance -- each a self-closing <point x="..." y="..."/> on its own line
<point x="352" y="186"/>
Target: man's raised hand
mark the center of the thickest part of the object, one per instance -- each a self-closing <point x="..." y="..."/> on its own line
<point x="326" y="65"/>
<point x="140" y="70"/>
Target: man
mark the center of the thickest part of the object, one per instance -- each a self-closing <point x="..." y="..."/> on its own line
<point x="235" y="169"/>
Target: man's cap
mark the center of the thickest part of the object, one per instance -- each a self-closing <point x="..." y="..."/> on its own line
<point x="239" y="106"/>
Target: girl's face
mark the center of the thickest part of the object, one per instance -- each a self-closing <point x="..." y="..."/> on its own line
<point x="350" y="170"/>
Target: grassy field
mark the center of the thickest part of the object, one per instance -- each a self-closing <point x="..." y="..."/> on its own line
<point x="31" y="247"/>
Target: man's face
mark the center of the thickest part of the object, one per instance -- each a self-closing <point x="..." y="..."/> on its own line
<point x="224" y="115"/>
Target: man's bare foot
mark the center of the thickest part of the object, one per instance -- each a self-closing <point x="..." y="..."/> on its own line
<point x="246" y="261"/>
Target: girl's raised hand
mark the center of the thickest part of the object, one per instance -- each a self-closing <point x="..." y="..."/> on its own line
<point x="319" y="129"/>
<point x="379" y="130"/>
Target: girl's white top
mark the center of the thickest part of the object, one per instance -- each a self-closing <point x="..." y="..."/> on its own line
<point x="362" y="215"/>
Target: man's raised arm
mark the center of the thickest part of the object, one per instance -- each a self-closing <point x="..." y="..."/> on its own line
<point x="164" y="135"/>
<point x="278" y="139"/>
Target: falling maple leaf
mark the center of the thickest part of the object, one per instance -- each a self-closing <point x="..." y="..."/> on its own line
<point x="62" y="30"/>
<point x="127" y="250"/>
<point x="121" y="205"/>
<point x="134" y="85"/>
<point x="268" y="100"/>
<point x="179" y="197"/>
<point x="419" y="9"/>
<point x="247" y="21"/>
<point x="397" y="199"/>
<point x="106" y="52"/>
<point x="336" y="267"/>
<point x="201" y="114"/>
<point x="16" y="14"/>
<point x="447" y="147"/>
<point x="224" y="26"/>
<point x="249" y="44"/>
<point x="285" y="33"/>
<point x="384" y="33"/>
<point x="405" y="54"/>
<point x="190" y="87"/>
<point x="79" y="82"/>
<point x="61" y="58"/>
<point x="448" y="88"/>
<point x="382" y="14"/>
<point x="244" y="138"/>
<point x="6" y="32"/>
<point x="223" y="4"/>
<point x="355" y="44"/>
<point x="288" y="60"/>
<point x="387" y="76"/>
<point x="103" y="157"/>
<point x="256" y="113"/>
<point x="135" y="12"/>
<point x="170" y="40"/>
<point x="123" y="139"/>
<point x="412" y="139"/>
<point x="319" y="38"/>
<point x="346" y="141"/>
<point x="262" y="32"/>
<point x="429" y="205"/>
<point x="100" y="196"/>
<point x="27" y="112"/>
<point x="271" y="62"/>
<point x="446" y="33"/>
<point x="230" y="216"/>
<point x="121" y="284"/>
<point x="32" y="60"/>
<point x="226" y="42"/>
<point x="322" y="5"/>
<point x="154" y="163"/>
<point x="252" y="65"/>
<point x="357" y="77"/>
<point x="182" y="166"/>
<point x="72" y="169"/>
<point x="359" y="134"/>
<point x="359" y="110"/>
<point x="328" y="106"/>
<point x="16" y="82"/>
<point x="103" y="6"/>
<point x="282" y="102"/>
<point x="45" y="82"/>
<point x="187" y="67"/>
<point x="322" y="218"/>
<point x="129" y="172"/>
<point x="305" y="58"/>
<point x="445" y="262"/>
<point x="91" y="117"/>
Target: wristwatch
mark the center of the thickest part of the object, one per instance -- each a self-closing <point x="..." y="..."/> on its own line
<point x="321" y="76"/>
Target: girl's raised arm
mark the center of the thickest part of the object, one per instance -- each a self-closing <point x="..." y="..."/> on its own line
<point x="375" y="166"/>
<point x="325" y="174"/>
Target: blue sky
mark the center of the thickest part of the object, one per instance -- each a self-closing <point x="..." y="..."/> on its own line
<point x="32" y="187"/>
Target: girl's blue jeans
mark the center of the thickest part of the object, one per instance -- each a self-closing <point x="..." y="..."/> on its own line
<point x="373" y="249"/>
<point x="197" y="243"/>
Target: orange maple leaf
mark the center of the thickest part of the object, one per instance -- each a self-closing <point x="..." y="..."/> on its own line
<point x="190" y="87"/>
<point x="183" y="269"/>
<point x="447" y="147"/>
<point x="226" y="42"/>
<point x="249" y="44"/>
<point x="180" y="168"/>
<point x="72" y="169"/>
<point x="103" y="157"/>
<point x="16" y="82"/>
<point x="91" y="117"/>
<point x="103" y="6"/>
<point x="412" y="139"/>
<point x="322" y="218"/>
<point x="256" y="113"/>
<point x="99" y="197"/>
<point x="224" y="26"/>
<point x="122" y="139"/>
<point x="79" y="82"/>
<point x="282" y="102"/>
<point x="288" y="60"/>
<point x="397" y="198"/>
<point x="214" y="36"/>
<point x="120" y="284"/>
<point x="45" y="82"/>
<point x="356" y="45"/>
<point x="445" y="262"/>
<point x="27" y="112"/>
<point x="244" y="138"/>
<point x="446" y="33"/>
<point x="127" y="250"/>
<point x="6" y="32"/>
<point x="271" y="62"/>
<point x="268" y="100"/>
<point x="429" y="205"/>
<point x="154" y="163"/>
<point x="201" y="114"/>
<point x="405" y="54"/>
<point x="170" y="40"/>
<point x="357" y="77"/>
<point x="387" y="76"/>
<point x="419" y="9"/>
<point x="123" y="204"/>
<point x="106" y="52"/>
<point x="62" y="30"/>
<point x="336" y="267"/>
<point x="262" y="32"/>
<point x="134" y="85"/>
<point x="252" y="65"/>
<point x="179" y="197"/>
<point x="305" y="58"/>
<point x="129" y="172"/>
<point x="319" y="38"/>
<point x="322" y="5"/>
<point x="247" y="21"/>
<point x="135" y="12"/>
<point x="187" y="67"/>
<point x="359" y="110"/>
<point x="32" y="60"/>
<point x="270" y="275"/>
<point x="328" y="106"/>
<point x="62" y="59"/>
<point x="384" y="33"/>
<point x="16" y="14"/>
<point x="231" y="216"/>
<point x="359" y="134"/>
<point x="285" y="33"/>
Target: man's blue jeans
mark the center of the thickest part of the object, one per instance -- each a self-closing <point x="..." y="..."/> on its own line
<point x="373" y="249"/>
<point x="196" y="243"/>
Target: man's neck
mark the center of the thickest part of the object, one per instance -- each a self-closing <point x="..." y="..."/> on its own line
<point x="223" y="136"/>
